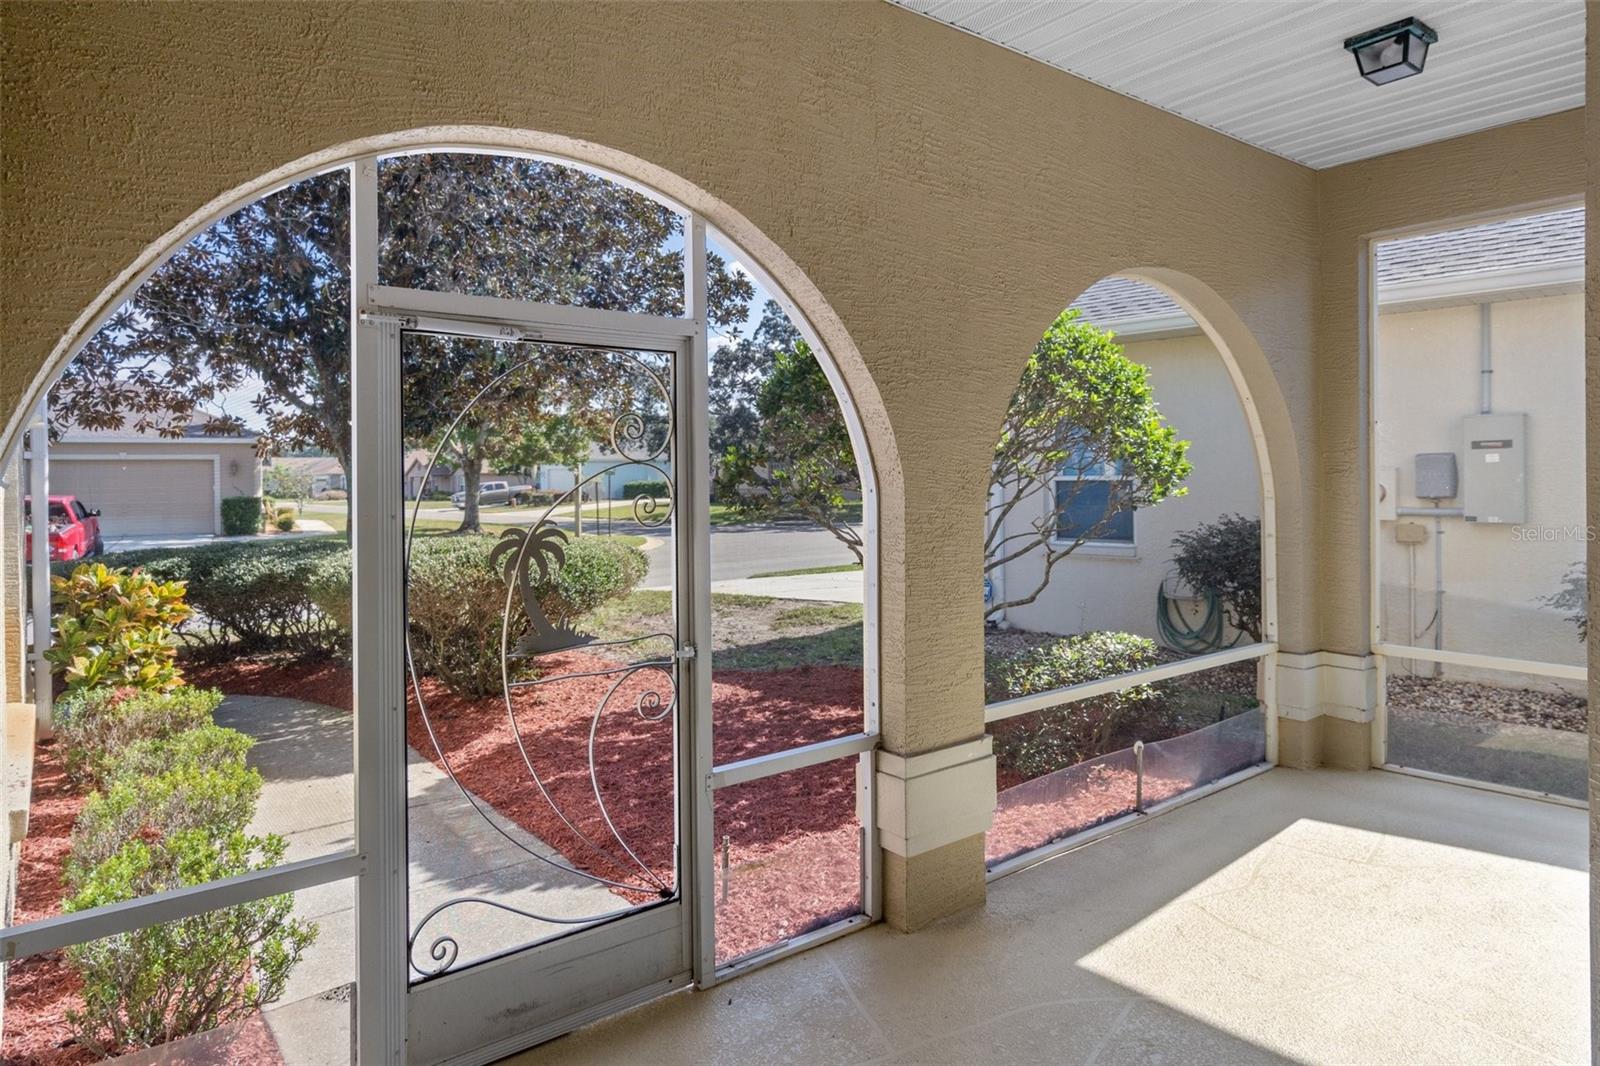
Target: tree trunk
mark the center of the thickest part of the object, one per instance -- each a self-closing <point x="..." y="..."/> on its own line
<point x="472" y="477"/>
<point x="577" y="502"/>
<point x="349" y="494"/>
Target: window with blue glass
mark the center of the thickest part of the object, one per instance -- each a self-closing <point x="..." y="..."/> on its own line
<point x="1086" y="504"/>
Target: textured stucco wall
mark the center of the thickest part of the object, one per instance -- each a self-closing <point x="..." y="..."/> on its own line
<point x="946" y="198"/>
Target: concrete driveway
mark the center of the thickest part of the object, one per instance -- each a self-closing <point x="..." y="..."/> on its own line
<point x="308" y="527"/>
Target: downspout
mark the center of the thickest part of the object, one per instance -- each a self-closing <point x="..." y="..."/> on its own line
<point x="1485" y="360"/>
<point x="997" y="576"/>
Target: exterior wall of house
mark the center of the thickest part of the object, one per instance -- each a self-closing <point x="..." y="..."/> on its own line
<point x="1109" y="587"/>
<point x="238" y="467"/>
<point x="1427" y="376"/>
<point x="608" y="486"/>
<point x="1507" y="170"/>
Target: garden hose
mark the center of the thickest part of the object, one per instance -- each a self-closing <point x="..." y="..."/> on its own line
<point x="1176" y="633"/>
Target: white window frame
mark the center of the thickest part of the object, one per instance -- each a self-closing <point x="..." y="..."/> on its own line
<point x="1103" y="547"/>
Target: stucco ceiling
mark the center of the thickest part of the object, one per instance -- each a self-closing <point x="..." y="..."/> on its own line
<point x="1276" y="75"/>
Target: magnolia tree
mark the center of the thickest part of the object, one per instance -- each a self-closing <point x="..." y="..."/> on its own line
<point x="1082" y="406"/>
<point x="261" y="300"/>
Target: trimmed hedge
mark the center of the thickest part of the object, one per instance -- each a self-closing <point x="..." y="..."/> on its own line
<point x="97" y="728"/>
<point x="455" y="599"/>
<point x="631" y="489"/>
<point x="177" y="795"/>
<point x="254" y="597"/>
<point x="294" y="597"/>
<point x="1036" y="744"/>
<point x="241" y="516"/>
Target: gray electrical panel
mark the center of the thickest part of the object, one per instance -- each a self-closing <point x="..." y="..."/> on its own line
<point x="1435" y="476"/>
<point x="1494" y="482"/>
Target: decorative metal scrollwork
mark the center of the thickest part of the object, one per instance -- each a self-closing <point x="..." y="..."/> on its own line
<point x="530" y="558"/>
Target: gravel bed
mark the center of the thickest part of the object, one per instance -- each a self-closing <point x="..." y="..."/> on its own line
<point x="1471" y="701"/>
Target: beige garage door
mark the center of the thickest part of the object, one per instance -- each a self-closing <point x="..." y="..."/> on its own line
<point x="141" y="496"/>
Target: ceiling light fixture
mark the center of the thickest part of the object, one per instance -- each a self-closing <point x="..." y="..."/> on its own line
<point x="1392" y="52"/>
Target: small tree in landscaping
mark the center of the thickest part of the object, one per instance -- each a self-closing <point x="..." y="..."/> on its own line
<point x="1081" y="405"/>
<point x="798" y="460"/>
<point x="284" y="482"/>
<point x="1224" y="558"/>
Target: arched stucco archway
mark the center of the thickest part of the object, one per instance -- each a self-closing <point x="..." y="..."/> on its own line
<point x="1021" y="551"/>
<point x="802" y="300"/>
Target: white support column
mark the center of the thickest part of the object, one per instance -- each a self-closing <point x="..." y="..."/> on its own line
<point x="39" y="490"/>
<point x="691" y="468"/>
<point x="379" y="646"/>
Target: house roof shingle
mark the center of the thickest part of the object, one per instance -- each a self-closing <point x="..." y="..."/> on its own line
<point x="1552" y="238"/>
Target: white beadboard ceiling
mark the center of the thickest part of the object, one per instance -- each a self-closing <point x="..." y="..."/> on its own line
<point x="1274" y="73"/>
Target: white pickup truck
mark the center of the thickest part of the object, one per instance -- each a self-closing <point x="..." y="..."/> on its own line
<point x="493" y="492"/>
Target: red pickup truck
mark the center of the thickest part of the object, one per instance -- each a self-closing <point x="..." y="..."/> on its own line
<point x="74" y="530"/>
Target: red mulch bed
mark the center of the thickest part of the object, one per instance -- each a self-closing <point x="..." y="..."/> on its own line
<point x="794" y="848"/>
<point x="41" y="988"/>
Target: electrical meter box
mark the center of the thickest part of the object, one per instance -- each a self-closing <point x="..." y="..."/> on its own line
<point x="1494" y="478"/>
<point x="1435" y="476"/>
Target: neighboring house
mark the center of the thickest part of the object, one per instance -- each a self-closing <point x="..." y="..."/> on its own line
<point x="1488" y="313"/>
<point x="323" y="472"/>
<point x="609" y="471"/>
<point x="421" y="480"/>
<point x="1517" y="284"/>
<point x="145" y="484"/>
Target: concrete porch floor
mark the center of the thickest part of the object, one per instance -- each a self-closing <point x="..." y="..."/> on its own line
<point x="1316" y="917"/>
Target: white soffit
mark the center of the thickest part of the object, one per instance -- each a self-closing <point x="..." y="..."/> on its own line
<point x="1274" y="73"/>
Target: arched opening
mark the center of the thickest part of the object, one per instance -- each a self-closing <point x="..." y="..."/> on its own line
<point x="608" y="419"/>
<point x="1479" y="580"/>
<point x="1130" y="608"/>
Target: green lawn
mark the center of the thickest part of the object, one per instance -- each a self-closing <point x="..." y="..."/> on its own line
<point x="747" y="632"/>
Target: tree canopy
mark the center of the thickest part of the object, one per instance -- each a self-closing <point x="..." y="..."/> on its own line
<point x="797" y="459"/>
<point x="264" y="294"/>
<point x="1082" y="405"/>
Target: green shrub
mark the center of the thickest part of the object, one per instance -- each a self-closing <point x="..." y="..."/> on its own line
<point x="207" y="747"/>
<point x="218" y="800"/>
<point x="456" y="601"/>
<point x="284" y="522"/>
<point x="255" y="597"/>
<point x="97" y="727"/>
<point x="1035" y="744"/>
<point x="241" y="515"/>
<point x="115" y="627"/>
<point x="630" y="489"/>
<point x="1224" y="558"/>
<point x="155" y="985"/>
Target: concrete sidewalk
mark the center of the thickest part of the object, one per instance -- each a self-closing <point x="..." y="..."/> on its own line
<point x="304" y="752"/>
